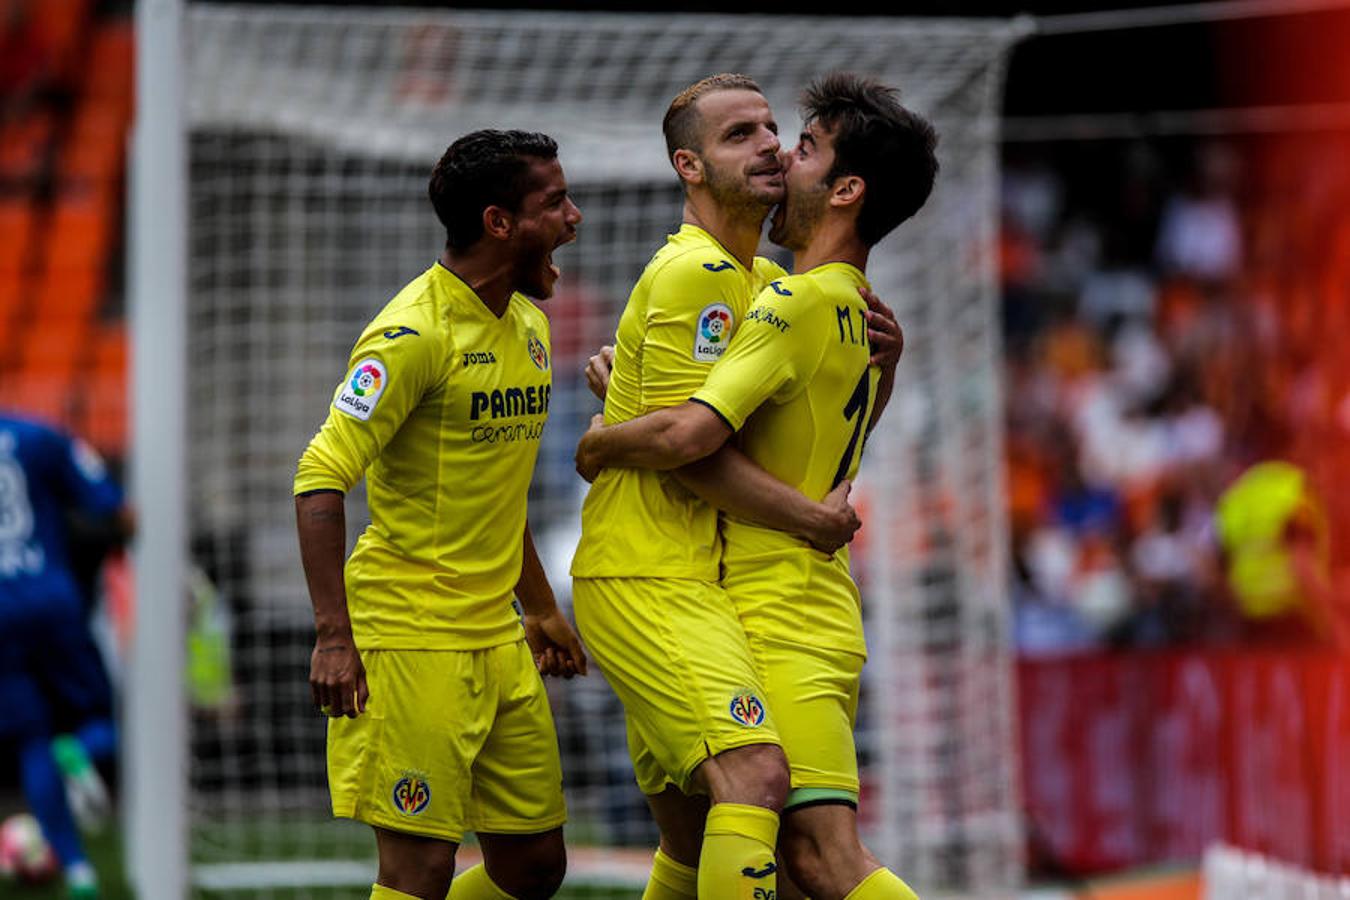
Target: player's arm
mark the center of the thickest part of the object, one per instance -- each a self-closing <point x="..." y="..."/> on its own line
<point x="390" y="371"/>
<point x="735" y="484"/>
<point x="556" y="648"/>
<point x="887" y="340"/>
<point x="337" y="680"/>
<point x="665" y="439"/>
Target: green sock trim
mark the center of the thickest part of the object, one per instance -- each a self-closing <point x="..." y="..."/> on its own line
<point x="809" y="796"/>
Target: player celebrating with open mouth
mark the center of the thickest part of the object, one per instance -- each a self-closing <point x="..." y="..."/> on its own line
<point x="439" y="721"/>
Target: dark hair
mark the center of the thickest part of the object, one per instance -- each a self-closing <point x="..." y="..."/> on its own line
<point x="681" y="123"/>
<point x="889" y="147"/>
<point x="482" y="169"/>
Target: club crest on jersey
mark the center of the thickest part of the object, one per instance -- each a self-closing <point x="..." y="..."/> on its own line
<point x="747" y="709"/>
<point x="538" y="355"/>
<point x="362" y="389"/>
<point x="715" y="323"/>
<point x="411" y="794"/>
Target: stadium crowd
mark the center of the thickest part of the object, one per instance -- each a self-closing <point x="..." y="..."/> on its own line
<point x="1176" y="392"/>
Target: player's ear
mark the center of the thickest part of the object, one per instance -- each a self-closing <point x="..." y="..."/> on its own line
<point x="497" y="223"/>
<point x="847" y="190"/>
<point x="688" y="166"/>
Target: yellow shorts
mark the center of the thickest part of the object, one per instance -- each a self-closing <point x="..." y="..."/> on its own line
<point x="814" y="695"/>
<point x="451" y="741"/>
<point x="674" y="652"/>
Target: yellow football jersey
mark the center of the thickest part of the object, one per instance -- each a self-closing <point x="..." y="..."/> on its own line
<point x="678" y="321"/>
<point x="797" y="386"/>
<point x="441" y="410"/>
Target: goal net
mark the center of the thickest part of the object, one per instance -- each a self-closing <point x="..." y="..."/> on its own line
<point x="312" y="135"/>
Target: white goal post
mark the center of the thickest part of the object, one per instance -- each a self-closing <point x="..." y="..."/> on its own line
<point x="310" y="134"/>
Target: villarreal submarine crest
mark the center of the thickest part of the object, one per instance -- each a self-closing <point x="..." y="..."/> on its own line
<point x="538" y="355"/>
<point x="747" y="709"/>
<point x="411" y="794"/>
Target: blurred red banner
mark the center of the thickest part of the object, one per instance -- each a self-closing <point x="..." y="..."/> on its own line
<point x="1142" y="758"/>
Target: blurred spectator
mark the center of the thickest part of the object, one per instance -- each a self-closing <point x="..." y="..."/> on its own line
<point x="1200" y="236"/>
<point x="1274" y="538"/>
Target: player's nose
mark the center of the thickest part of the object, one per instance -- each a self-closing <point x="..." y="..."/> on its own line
<point x="769" y="144"/>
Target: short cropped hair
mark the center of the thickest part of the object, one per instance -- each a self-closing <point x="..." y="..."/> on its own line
<point x="484" y="168"/>
<point x="889" y="147"/>
<point x="681" y="124"/>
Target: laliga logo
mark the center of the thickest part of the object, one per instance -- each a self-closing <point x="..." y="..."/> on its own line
<point x="714" y="325"/>
<point x="411" y="795"/>
<point x="748" y="710"/>
<point x="365" y="380"/>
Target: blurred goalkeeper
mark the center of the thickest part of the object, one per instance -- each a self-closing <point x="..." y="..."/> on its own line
<point x="50" y="669"/>
<point x="439" y="723"/>
<point x="798" y="386"/>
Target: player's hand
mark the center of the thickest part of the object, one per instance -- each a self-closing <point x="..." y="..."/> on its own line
<point x="598" y="368"/>
<point x="838" y="523"/>
<point x="337" y="679"/>
<point x="556" y="647"/>
<point x="883" y="332"/>
<point x="586" y="466"/>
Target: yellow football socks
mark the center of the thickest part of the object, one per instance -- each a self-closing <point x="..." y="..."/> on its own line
<point x="737" y="861"/>
<point x="380" y="892"/>
<point x="670" y="880"/>
<point x="474" y="884"/>
<point x="882" y="884"/>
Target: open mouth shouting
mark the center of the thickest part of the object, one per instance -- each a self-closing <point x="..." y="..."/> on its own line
<point x="567" y="238"/>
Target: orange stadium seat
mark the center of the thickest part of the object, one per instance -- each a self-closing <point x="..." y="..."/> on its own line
<point x="23" y="146"/>
<point x="46" y="396"/>
<point x="59" y="24"/>
<point x="16" y="235"/>
<point x="80" y="233"/>
<point x="110" y="350"/>
<point x="109" y="78"/>
<point x="12" y="287"/>
<point x="66" y="295"/>
<point x="95" y="148"/>
<point x="104" y="391"/>
<point x="52" y="346"/>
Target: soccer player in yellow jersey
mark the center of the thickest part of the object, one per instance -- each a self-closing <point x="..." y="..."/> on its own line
<point x="439" y="721"/>
<point x="645" y="573"/>
<point x="796" y="385"/>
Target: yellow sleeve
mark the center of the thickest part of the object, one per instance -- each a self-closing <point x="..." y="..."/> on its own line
<point x="767" y="270"/>
<point x="691" y="315"/>
<point x="774" y="355"/>
<point x="391" y="368"/>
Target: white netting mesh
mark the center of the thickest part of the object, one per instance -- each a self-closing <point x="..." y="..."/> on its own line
<point x="312" y="137"/>
<point x="1233" y="874"/>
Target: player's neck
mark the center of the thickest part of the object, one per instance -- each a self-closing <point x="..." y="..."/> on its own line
<point x="832" y="242"/>
<point x="489" y="278"/>
<point x="733" y="229"/>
